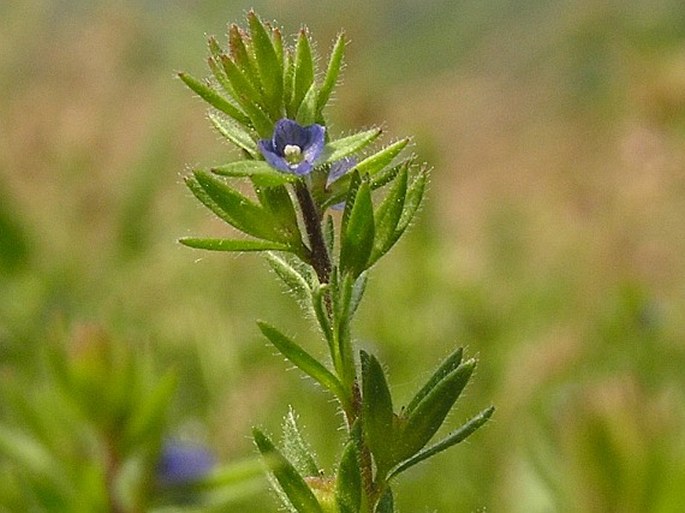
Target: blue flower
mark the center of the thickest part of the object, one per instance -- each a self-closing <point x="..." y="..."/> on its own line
<point x="293" y="148"/>
<point x="181" y="463"/>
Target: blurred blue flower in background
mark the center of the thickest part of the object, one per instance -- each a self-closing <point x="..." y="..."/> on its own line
<point x="293" y="148"/>
<point x="183" y="463"/>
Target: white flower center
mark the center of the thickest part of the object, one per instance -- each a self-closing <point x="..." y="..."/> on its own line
<point x="292" y="154"/>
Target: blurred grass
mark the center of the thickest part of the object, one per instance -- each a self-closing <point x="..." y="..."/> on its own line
<point x="552" y="244"/>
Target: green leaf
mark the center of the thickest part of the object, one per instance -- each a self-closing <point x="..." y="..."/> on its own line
<point x="429" y="414"/>
<point x="306" y="113"/>
<point x="234" y="133"/>
<point x="214" y="48"/>
<point x="376" y="162"/>
<point x="233" y="244"/>
<point x="304" y="74"/>
<point x="348" y="487"/>
<point x="260" y="172"/>
<point x="303" y="360"/>
<point x="386" y="504"/>
<point x="241" y="56"/>
<point x="332" y="72"/>
<point x="377" y="412"/>
<point x="277" y="40"/>
<point x="248" y="97"/>
<point x="388" y="216"/>
<point x="357" y="293"/>
<point x="220" y="76"/>
<point x="388" y="175"/>
<point x="288" y="83"/>
<point x="296" y="449"/>
<point x="413" y="201"/>
<point x="329" y="234"/>
<point x="453" y="438"/>
<point x="448" y="365"/>
<point x="214" y="99"/>
<point x="345" y="146"/>
<point x="268" y="65"/>
<point x="277" y="200"/>
<point x="320" y="309"/>
<point x="290" y="481"/>
<point x="297" y="284"/>
<point x="358" y="232"/>
<point x="234" y="208"/>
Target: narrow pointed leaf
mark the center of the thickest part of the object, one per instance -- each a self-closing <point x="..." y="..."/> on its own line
<point x="304" y="73"/>
<point x="234" y="133"/>
<point x="448" y="365"/>
<point x="429" y="414"/>
<point x="376" y="162"/>
<point x="306" y="113"/>
<point x="329" y="234"/>
<point x="357" y="293"/>
<point x="358" y="238"/>
<point x="385" y="177"/>
<point x="234" y="208"/>
<point x="243" y="89"/>
<point x="268" y="65"/>
<point x="220" y="76"/>
<point x="345" y="146"/>
<point x="386" y="504"/>
<point x="289" y="82"/>
<point x="320" y="309"/>
<point x="290" y="481"/>
<point x="332" y="72"/>
<point x="377" y="412"/>
<point x="214" y="48"/>
<point x="233" y="244"/>
<point x="248" y="97"/>
<point x="303" y="360"/>
<point x="296" y="449"/>
<point x="277" y="200"/>
<point x="261" y="172"/>
<point x="214" y="99"/>
<point x="388" y="216"/>
<point x="296" y="283"/>
<point x="453" y="438"/>
<point x="413" y="201"/>
<point x="241" y="56"/>
<point x="277" y="40"/>
<point x="348" y="487"/>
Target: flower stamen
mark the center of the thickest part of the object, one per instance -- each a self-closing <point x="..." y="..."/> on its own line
<point x="292" y="154"/>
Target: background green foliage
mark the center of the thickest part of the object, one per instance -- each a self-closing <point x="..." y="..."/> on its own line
<point x="551" y="243"/>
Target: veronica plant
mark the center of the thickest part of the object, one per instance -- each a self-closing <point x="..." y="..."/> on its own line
<point x="269" y="99"/>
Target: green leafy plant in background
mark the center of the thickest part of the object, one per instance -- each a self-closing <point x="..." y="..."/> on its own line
<point x="89" y="430"/>
<point x="324" y="210"/>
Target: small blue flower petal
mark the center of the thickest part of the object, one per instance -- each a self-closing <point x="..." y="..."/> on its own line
<point x="293" y="148"/>
<point x="315" y="143"/>
<point x="274" y="159"/>
<point x="183" y="463"/>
